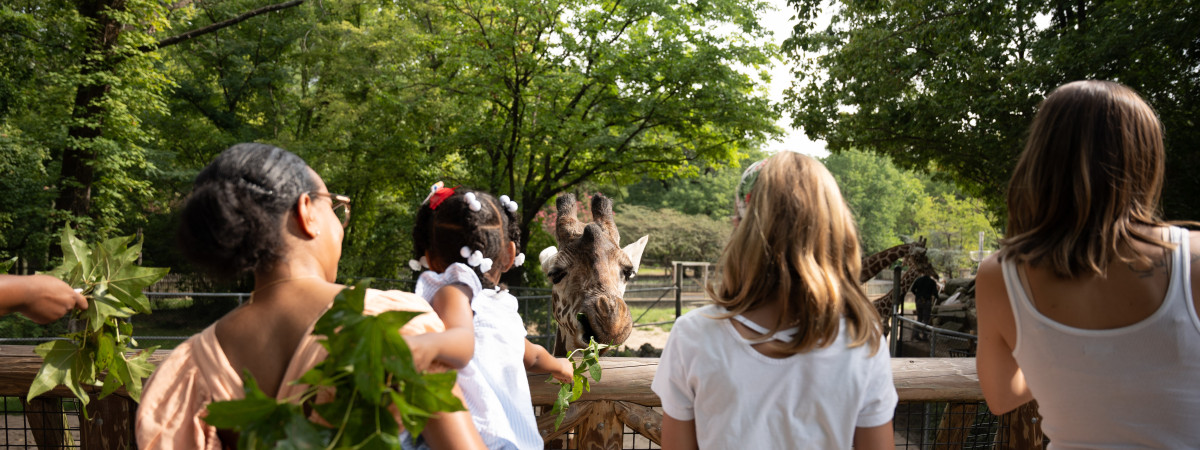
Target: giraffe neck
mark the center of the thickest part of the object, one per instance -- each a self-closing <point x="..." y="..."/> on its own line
<point x="877" y="262"/>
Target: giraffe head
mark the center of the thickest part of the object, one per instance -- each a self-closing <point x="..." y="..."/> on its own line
<point x="915" y="258"/>
<point x="589" y="270"/>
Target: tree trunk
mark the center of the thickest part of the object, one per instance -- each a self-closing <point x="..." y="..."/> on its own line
<point x="78" y="158"/>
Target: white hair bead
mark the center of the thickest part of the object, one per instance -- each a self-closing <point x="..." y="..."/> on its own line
<point x="472" y="202"/>
<point x="465" y="252"/>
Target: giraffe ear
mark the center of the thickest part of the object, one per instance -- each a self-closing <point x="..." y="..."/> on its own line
<point x="547" y="256"/>
<point x="634" y="251"/>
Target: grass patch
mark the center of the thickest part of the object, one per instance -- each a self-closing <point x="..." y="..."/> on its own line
<point x="657" y="314"/>
<point x="647" y="271"/>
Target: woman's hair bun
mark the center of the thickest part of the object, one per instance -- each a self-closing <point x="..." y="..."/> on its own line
<point x="231" y="221"/>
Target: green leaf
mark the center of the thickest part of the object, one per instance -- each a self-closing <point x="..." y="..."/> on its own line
<point x="302" y="434"/>
<point x="63" y="363"/>
<point x="594" y="370"/>
<point x="5" y="266"/>
<point x="111" y="256"/>
<point x="577" y="388"/>
<point x="127" y="285"/>
<point x="77" y="262"/>
<point x="105" y="348"/>
<point x="560" y="404"/>
<point x="131" y="371"/>
<point x="235" y="414"/>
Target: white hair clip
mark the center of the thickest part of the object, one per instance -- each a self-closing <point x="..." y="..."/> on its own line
<point x="424" y="262"/>
<point x="520" y="259"/>
<point x="414" y="265"/>
<point x="472" y="202"/>
<point x="476" y="259"/>
<point x="508" y="204"/>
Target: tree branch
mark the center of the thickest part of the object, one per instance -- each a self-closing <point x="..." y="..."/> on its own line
<point x="217" y="26"/>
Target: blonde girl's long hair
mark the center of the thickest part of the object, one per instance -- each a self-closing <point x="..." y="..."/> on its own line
<point x="798" y="247"/>
<point x="1088" y="183"/>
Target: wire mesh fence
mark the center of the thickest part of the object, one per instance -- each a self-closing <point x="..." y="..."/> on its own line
<point x="179" y="314"/>
<point x="921" y="340"/>
<point x="43" y="423"/>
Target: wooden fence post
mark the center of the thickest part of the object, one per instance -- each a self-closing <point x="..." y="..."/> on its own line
<point x="1024" y="428"/>
<point x="111" y="424"/>
<point x="600" y="429"/>
<point x="46" y="422"/>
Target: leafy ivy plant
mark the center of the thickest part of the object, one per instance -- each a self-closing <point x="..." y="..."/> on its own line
<point x="100" y="353"/>
<point x="589" y="364"/>
<point x="5" y="266"/>
<point x="370" y="368"/>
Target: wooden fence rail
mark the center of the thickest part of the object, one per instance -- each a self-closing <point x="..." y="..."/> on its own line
<point x="622" y="398"/>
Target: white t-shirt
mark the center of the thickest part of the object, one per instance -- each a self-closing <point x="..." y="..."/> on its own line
<point x="494" y="383"/>
<point x="741" y="398"/>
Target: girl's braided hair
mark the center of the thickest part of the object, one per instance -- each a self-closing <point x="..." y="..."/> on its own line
<point x="443" y="229"/>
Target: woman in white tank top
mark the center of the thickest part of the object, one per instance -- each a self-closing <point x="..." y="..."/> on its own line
<point x="1088" y="307"/>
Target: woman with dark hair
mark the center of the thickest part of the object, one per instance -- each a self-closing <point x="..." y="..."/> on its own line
<point x="1088" y="307"/>
<point x="261" y="209"/>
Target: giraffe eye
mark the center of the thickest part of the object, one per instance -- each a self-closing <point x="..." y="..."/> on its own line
<point x="627" y="273"/>
<point x="557" y="275"/>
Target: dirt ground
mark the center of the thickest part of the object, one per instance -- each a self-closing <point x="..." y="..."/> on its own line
<point x="652" y="335"/>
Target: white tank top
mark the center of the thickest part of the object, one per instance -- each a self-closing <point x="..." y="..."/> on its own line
<point x="1132" y="387"/>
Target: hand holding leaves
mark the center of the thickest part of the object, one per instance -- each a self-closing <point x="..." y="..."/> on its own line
<point x="567" y="393"/>
<point x="106" y="275"/>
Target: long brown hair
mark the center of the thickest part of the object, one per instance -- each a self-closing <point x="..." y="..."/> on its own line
<point x="798" y="247"/>
<point x="1088" y="183"/>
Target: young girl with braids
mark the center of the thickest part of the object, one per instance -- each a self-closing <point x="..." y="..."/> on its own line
<point x="467" y="239"/>
<point x="791" y="354"/>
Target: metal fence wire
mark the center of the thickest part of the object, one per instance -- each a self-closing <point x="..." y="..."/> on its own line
<point x="54" y="422"/>
<point x="44" y="423"/>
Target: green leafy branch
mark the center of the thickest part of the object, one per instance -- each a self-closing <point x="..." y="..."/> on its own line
<point x="5" y="266"/>
<point x="567" y="393"/>
<point x="106" y="275"/>
<point x="370" y="368"/>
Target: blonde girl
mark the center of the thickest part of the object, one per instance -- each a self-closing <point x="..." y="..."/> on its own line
<point x="1088" y="307"/>
<point x="790" y="355"/>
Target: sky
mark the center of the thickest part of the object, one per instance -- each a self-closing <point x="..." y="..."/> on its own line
<point x="780" y="22"/>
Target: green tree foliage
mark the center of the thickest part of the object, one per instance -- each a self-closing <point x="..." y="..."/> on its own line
<point x="559" y="93"/>
<point x="106" y="116"/>
<point x="710" y="192"/>
<point x="674" y="236"/>
<point x="72" y="89"/>
<point x="892" y="206"/>
<point x="952" y="86"/>
<point x="879" y="194"/>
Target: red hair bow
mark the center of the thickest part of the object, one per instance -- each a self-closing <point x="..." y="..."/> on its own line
<point x="439" y="195"/>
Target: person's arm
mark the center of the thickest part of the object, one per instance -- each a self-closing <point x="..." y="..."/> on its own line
<point x="41" y="298"/>
<point x="453" y="430"/>
<point x="1000" y="378"/>
<point x="875" y="438"/>
<point x="456" y="346"/>
<point x="678" y="434"/>
<point x="538" y="360"/>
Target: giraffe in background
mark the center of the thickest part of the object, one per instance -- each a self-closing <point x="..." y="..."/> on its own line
<point x="913" y="254"/>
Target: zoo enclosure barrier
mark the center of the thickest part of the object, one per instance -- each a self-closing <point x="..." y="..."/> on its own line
<point x="940" y="408"/>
